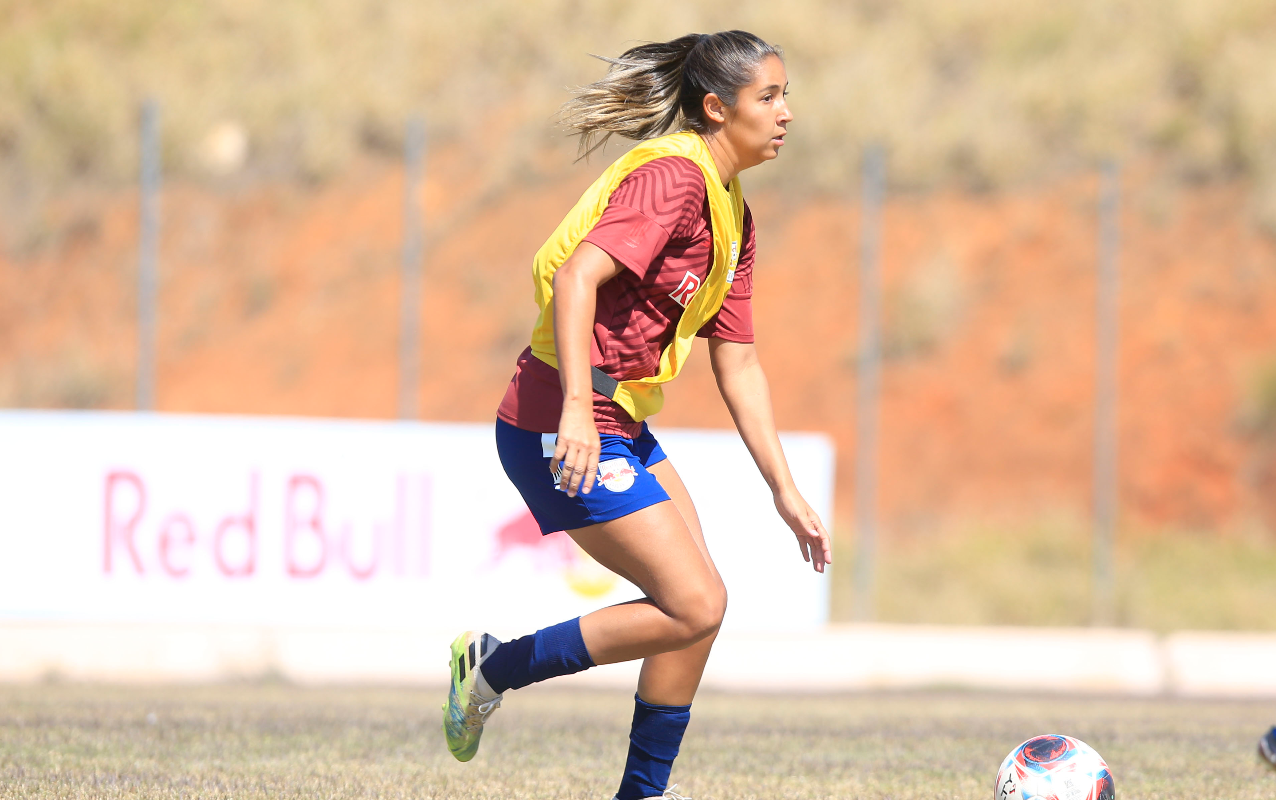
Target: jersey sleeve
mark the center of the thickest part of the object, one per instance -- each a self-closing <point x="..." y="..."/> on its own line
<point x="734" y="321"/>
<point x="654" y="204"/>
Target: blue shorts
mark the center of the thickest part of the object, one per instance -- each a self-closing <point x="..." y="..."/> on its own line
<point x="623" y="486"/>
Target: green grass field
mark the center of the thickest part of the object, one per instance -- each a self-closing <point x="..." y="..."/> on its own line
<point x="258" y="741"/>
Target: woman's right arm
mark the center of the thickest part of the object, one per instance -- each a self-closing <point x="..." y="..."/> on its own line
<point x="576" y="285"/>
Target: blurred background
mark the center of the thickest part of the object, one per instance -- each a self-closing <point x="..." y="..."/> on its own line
<point x="1072" y="409"/>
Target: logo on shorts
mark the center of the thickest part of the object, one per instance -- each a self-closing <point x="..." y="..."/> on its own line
<point x="549" y="442"/>
<point x="686" y="290"/>
<point x="616" y="474"/>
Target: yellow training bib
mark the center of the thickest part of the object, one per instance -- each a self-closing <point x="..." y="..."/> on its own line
<point x="643" y="397"/>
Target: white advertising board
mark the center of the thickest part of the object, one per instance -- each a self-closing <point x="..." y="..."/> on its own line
<point x="115" y="517"/>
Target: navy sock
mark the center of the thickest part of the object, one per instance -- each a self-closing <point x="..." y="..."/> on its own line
<point x="548" y="653"/>
<point x="653" y="745"/>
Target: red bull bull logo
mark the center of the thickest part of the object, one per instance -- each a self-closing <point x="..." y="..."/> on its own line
<point x="556" y="553"/>
<point x="617" y="474"/>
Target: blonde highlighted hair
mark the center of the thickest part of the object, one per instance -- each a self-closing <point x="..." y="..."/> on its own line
<point x="654" y="87"/>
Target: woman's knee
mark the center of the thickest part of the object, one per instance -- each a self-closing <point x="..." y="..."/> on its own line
<point x="718" y="607"/>
<point x="703" y="612"/>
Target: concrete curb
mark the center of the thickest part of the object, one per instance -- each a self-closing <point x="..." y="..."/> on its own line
<point x="839" y="658"/>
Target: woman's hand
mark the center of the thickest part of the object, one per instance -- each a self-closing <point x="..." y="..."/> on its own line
<point x="813" y="540"/>
<point x="577" y="448"/>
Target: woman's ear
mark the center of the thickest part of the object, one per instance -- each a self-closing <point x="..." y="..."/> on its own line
<point x="714" y="109"/>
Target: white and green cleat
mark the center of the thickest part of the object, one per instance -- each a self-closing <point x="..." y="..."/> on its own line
<point x="467" y="707"/>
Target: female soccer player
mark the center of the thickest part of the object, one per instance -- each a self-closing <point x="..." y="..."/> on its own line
<point x="657" y="252"/>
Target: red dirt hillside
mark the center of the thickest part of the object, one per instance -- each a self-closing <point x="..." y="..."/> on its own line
<point x="283" y="300"/>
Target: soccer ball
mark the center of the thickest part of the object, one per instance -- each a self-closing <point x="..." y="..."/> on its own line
<point x="1054" y="767"/>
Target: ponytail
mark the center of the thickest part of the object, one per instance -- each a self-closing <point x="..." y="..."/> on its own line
<point x="651" y="87"/>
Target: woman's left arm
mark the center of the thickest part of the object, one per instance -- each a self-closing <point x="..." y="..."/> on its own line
<point x="744" y="387"/>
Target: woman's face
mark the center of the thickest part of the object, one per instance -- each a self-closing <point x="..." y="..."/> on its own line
<point x="756" y="126"/>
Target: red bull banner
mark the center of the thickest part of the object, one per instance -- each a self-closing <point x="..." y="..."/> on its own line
<point x="117" y="517"/>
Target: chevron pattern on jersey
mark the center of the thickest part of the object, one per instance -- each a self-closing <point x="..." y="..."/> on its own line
<point x="669" y="191"/>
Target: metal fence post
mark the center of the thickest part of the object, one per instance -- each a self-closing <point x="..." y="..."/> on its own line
<point x="148" y="255"/>
<point x="1105" y="487"/>
<point x="868" y="379"/>
<point x="411" y="278"/>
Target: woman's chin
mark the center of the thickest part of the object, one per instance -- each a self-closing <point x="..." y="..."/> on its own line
<point x="762" y="156"/>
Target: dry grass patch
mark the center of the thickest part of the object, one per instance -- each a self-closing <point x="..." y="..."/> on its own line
<point x="257" y="741"/>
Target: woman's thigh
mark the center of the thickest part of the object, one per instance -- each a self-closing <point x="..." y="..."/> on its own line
<point x="677" y="490"/>
<point x="655" y="549"/>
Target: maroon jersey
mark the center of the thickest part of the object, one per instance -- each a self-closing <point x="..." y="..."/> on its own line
<point x="657" y="226"/>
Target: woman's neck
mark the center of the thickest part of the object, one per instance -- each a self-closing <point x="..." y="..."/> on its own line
<point x="723" y="156"/>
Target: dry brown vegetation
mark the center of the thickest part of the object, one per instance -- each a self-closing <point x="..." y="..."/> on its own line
<point x="984" y="92"/>
<point x="1040" y="572"/>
